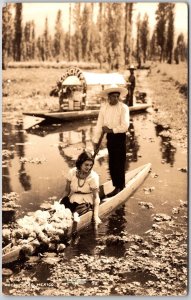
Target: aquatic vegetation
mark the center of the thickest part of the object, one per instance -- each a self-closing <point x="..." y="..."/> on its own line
<point x="41" y="228"/>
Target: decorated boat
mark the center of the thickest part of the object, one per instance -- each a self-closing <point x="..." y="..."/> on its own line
<point x="79" y="95"/>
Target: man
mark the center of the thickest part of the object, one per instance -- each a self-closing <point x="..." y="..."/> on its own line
<point x="131" y="86"/>
<point x="113" y="120"/>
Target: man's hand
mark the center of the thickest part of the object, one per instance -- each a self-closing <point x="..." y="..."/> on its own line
<point x="106" y="129"/>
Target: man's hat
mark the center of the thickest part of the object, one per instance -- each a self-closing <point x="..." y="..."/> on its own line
<point x="114" y="89"/>
<point x="132" y="67"/>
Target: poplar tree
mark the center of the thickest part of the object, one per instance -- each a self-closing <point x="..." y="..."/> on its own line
<point x="138" y="53"/>
<point x="153" y="46"/>
<point x="170" y="32"/>
<point x="85" y="30"/>
<point x="100" y="26"/>
<point x="26" y="46"/>
<point x="59" y="35"/>
<point x="18" y="31"/>
<point x="41" y="48"/>
<point x="7" y="32"/>
<point x="181" y="46"/>
<point x="144" y="36"/>
<point x="161" y="18"/>
<point x="77" y="37"/>
<point x="113" y="35"/>
<point x="47" y="42"/>
<point x="127" y="30"/>
<point x="33" y="41"/>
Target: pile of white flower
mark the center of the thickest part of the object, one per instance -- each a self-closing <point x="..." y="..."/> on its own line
<point x="41" y="228"/>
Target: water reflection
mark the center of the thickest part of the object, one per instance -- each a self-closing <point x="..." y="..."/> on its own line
<point x="116" y="225"/>
<point x="14" y="138"/>
<point x="24" y="179"/>
<point x="131" y="145"/>
<point x="60" y="144"/>
<point x="167" y="149"/>
<point x="168" y="152"/>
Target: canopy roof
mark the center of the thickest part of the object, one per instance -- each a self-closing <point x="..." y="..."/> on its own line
<point x="96" y="79"/>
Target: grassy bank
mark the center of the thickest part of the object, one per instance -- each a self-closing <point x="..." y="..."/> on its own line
<point x="53" y="65"/>
<point x="170" y="105"/>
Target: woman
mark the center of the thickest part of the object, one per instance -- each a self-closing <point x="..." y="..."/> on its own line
<point x="82" y="186"/>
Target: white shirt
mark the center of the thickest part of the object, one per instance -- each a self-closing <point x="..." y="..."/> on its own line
<point x="81" y="190"/>
<point x="115" y="117"/>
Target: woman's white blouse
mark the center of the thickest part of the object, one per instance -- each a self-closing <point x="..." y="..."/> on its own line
<point x="83" y="193"/>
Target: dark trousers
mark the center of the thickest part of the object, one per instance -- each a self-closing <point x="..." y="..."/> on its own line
<point x="130" y="97"/>
<point x="116" y="144"/>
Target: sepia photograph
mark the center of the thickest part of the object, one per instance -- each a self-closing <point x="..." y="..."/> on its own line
<point x="95" y="149"/>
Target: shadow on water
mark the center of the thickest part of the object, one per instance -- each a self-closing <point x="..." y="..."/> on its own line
<point x="167" y="149"/>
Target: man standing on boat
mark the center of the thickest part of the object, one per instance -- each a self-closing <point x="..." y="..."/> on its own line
<point x="131" y="86"/>
<point x="113" y="120"/>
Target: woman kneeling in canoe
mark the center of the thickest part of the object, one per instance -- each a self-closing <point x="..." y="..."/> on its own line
<point x="82" y="187"/>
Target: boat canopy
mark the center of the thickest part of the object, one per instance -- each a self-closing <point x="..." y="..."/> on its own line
<point x="95" y="79"/>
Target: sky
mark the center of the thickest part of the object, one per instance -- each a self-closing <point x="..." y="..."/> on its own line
<point x="39" y="11"/>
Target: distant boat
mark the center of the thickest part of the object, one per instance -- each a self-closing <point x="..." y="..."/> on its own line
<point x="78" y="114"/>
<point x="79" y="97"/>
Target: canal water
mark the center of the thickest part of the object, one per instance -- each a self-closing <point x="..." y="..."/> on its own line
<point x="42" y="154"/>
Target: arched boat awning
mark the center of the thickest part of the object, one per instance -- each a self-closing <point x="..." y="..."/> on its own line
<point x="95" y="79"/>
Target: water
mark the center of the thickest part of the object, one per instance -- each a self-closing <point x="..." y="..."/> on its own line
<point x="50" y="150"/>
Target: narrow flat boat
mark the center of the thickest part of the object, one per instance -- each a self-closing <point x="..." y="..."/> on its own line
<point x="133" y="180"/>
<point x="78" y="115"/>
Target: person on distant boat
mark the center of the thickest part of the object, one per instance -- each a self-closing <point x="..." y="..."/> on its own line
<point x="131" y="86"/>
<point x="82" y="187"/>
<point x="113" y="119"/>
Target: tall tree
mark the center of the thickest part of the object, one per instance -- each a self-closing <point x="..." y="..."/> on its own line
<point x="26" y="42"/>
<point x="92" y="38"/>
<point x="161" y="19"/>
<point x="85" y="30"/>
<point x="100" y="24"/>
<point x="7" y="32"/>
<point x="128" y="30"/>
<point x="144" y="36"/>
<point x="138" y="53"/>
<point x="33" y="41"/>
<point x="59" y="35"/>
<point x="76" y="41"/>
<point x="47" y="41"/>
<point x="69" y="32"/>
<point x="181" y="46"/>
<point x="113" y="35"/>
<point x="41" y="48"/>
<point x="153" y="46"/>
<point x="18" y="31"/>
<point x="170" y="32"/>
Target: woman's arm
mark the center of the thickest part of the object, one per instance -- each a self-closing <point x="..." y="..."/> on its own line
<point x="96" y="201"/>
<point x="66" y="193"/>
<point x="67" y="188"/>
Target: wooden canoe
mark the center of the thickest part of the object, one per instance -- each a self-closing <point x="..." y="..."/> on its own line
<point x="78" y="114"/>
<point x="133" y="179"/>
<point x="10" y="253"/>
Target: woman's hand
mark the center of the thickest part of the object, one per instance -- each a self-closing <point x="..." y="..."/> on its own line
<point x="97" y="220"/>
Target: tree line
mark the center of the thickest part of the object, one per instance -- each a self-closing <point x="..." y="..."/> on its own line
<point x="106" y="40"/>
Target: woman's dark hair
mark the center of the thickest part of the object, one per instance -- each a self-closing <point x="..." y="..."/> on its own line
<point x="82" y="158"/>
